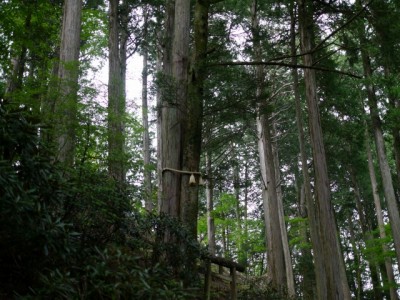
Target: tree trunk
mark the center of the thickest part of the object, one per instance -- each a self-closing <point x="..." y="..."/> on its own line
<point x="116" y="91"/>
<point x="243" y="260"/>
<point x="285" y="241"/>
<point x="332" y="281"/>
<point x="173" y="131"/>
<point x="210" y="206"/>
<point x="276" y="262"/>
<point x="236" y="186"/>
<point x="381" y="20"/>
<point x="379" y="215"/>
<point x="193" y="116"/>
<point x="14" y="80"/>
<point x="358" y="284"/>
<point x="388" y="189"/>
<point x="68" y="73"/>
<point x="145" y="119"/>
<point x="365" y="228"/>
<point x="165" y="95"/>
<point x="308" y="277"/>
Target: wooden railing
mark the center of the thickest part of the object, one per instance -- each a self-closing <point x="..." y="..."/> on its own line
<point x="221" y="262"/>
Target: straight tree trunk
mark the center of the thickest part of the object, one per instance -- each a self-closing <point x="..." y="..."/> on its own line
<point x="365" y="227"/>
<point x="387" y="183"/>
<point x="116" y="90"/>
<point x="159" y="72"/>
<point x="210" y="206"/>
<point x="381" y="19"/>
<point x="331" y="280"/>
<point x="358" y="284"/>
<point x="276" y="262"/>
<point x="308" y="277"/>
<point x="165" y="95"/>
<point x="68" y="73"/>
<point x="145" y="119"/>
<point x="244" y="258"/>
<point x="236" y="185"/>
<point x="379" y="215"/>
<point x="172" y="113"/>
<point x="285" y="241"/>
<point x="193" y="115"/>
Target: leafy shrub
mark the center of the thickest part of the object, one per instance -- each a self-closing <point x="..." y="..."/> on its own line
<point x="77" y="236"/>
<point x="32" y="232"/>
<point x="112" y="273"/>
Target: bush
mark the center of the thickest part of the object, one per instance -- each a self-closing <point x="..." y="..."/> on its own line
<point x="32" y="232"/>
<point x="77" y="236"/>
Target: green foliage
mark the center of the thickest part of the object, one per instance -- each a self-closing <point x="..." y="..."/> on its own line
<point x="93" y="35"/>
<point x="297" y="225"/>
<point x="111" y="273"/>
<point x="32" y="191"/>
<point x="374" y="247"/>
<point x="71" y="234"/>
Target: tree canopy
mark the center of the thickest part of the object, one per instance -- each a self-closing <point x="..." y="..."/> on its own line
<point x="266" y="134"/>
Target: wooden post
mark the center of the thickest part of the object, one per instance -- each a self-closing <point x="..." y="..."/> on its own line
<point x="233" y="283"/>
<point x="207" y="280"/>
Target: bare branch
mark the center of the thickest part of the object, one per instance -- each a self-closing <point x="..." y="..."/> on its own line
<point x="321" y="45"/>
<point x="282" y="64"/>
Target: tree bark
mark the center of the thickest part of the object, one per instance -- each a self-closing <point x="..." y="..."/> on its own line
<point x="68" y="73"/>
<point x="382" y="16"/>
<point x="308" y="277"/>
<point x="116" y="91"/>
<point x="331" y="281"/>
<point x="173" y="127"/>
<point x="193" y="116"/>
<point x="145" y="120"/>
<point x="387" y="183"/>
<point x="285" y="242"/>
<point x="210" y="206"/>
<point x="276" y="262"/>
<point x="365" y="228"/>
<point x="379" y="214"/>
<point x="358" y="284"/>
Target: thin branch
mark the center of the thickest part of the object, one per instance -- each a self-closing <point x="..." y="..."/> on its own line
<point x="278" y="91"/>
<point x="320" y="44"/>
<point x="341" y="27"/>
<point x="282" y="64"/>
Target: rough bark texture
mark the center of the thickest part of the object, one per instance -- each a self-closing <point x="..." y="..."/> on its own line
<point x="285" y="242"/>
<point x="116" y="91"/>
<point x="210" y="206"/>
<point x="305" y="190"/>
<point x="172" y="112"/>
<point x="387" y="182"/>
<point x="68" y="73"/>
<point x="331" y="280"/>
<point x="145" y="120"/>
<point x="244" y="258"/>
<point x="365" y="228"/>
<point x="382" y="22"/>
<point x="164" y="98"/>
<point x="275" y="253"/>
<point x="276" y="263"/>
<point x="193" y="116"/>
